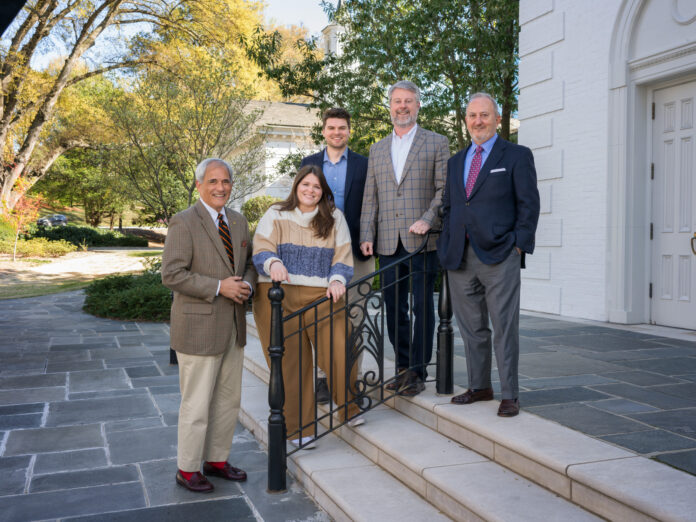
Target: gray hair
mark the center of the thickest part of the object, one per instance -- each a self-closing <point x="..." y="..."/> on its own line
<point x="405" y="84"/>
<point x="488" y="97"/>
<point x="203" y="165"/>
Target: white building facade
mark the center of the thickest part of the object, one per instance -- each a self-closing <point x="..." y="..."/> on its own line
<point x="606" y="103"/>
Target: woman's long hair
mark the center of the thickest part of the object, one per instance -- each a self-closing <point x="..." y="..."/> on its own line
<point x="323" y="222"/>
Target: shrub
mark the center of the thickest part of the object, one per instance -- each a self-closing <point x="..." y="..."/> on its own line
<point x="89" y="236"/>
<point x="6" y="230"/>
<point x="129" y="297"/>
<point x="256" y="207"/>
<point x="38" y="247"/>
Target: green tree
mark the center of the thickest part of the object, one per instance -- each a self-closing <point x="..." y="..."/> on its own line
<point x="450" y="48"/>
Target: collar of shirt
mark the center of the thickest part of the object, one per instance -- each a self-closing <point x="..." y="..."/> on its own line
<point x="487" y="147"/>
<point x="344" y="156"/>
<point x="214" y="214"/>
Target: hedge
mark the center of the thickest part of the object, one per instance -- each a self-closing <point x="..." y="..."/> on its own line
<point x="129" y="297"/>
<point x="38" y="247"/>
<point x="81" y="236"/>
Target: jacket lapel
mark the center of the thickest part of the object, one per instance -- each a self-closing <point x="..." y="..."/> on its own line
<point x="236" y="245"/>
<point x="212" y="232"/>
<point x="416" y="144"/>
<point x="350" y="172"/>
<point x="491" y="161"/>
<point x="458" y="172"/>
<point x="387" y="157"/>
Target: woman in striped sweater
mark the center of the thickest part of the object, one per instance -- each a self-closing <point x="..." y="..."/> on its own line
<point x="304" y="242"/>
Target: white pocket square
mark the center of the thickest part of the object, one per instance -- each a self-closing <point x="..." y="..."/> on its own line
<point x="497" y="170"/>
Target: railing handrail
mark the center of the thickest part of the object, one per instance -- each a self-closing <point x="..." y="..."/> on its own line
<point x="353" y="284"/>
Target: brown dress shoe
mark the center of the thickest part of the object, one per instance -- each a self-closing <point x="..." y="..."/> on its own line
<point x="397" y="382"/>
<point x="228" y="472"/>
<point x="471" y="396"/>
<point x="411" y="385"/>
<point x="509" y="408"/>
<point x="197" y="483"/>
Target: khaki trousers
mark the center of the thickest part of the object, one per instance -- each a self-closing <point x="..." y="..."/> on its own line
<point x="298" y="376"/>
<point x="211" y="390"/>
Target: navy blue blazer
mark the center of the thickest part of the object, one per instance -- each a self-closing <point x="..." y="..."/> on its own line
<point x="501" y="213"/>
<point x="356" y="172"/>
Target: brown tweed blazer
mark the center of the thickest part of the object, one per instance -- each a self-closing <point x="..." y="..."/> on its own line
<point x="193" y="262"/>
<point x="389" y="209"/>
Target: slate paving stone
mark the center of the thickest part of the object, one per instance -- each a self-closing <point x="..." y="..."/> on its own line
<point x="130" y="341"/>
<point x="134" y="424"/>
<point x="25" y="420"/>
<point x="98" y="380"/>
<point x="651" y="441"/>
<point x="159" y="390"/>
<point x="684" y="390"/>
<point x="645" y="396"/>
<point x="118" y="353"/>
<point x="159" y="479"/>
<point x="162" y="380"/>
<point x="143" y="371"/>
<point x="99" y="410"/>
<point x="70" y="461"/>
<point x="127" y="392"/>
<point x="69" y="366"/>
<point x="558" y="396"/>
<point x="216" y="510"/>
<point x="31" y="395"/>
<point x="641" y="378"/>
<point x="168" y="402"/>
<point x="622" y="406"/>
<point x="69" y="347"/>
<point x="682" y="422"/>
<point x="556" y="364"/>
<point x="46" y="440"/>
<point x="572" y="380"/>
<point x="683" y="460"/>
<point x="80" y="479"/>
<point x="605" y="342"/>
<point x="587" y="419"/>
<point x="668" y="366"/>
<point x="293" y="505"/>
<point x="22" y="408"/>
<point x="142" y="445"/>
<point x="14" y="473"/>
<point x="171" y="418"/>
<point x="80" y="501"/>
<point x="130" y="362"/>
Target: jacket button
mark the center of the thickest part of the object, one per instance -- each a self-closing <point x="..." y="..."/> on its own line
<point x="467" y="203"/>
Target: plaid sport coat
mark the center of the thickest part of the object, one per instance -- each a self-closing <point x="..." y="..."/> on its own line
<point x="193" y="262"/>
<point x="390" y="208"/>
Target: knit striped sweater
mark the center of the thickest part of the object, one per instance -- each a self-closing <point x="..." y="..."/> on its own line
<point x="287" y="236"/>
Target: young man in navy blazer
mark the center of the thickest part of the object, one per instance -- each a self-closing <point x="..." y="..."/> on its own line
<point x="345" y="172"/>
<point x="491" y="209"/>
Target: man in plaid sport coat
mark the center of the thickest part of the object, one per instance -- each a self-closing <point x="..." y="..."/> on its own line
<point x="403" y="191"/>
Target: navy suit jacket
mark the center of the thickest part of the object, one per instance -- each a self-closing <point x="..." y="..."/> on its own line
<point x="502" y="211"/>
<point x="356" y="172"/>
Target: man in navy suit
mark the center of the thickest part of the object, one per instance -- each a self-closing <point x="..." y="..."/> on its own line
<point x="491" y="209"/>
<point x="345" y="172"/>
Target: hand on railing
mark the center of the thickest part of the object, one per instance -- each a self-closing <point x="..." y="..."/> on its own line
<point x="336" y="290"/>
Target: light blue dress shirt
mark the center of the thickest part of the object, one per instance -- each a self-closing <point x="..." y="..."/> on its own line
<point x="487" y="146"/>
<point x="335" y="174"/>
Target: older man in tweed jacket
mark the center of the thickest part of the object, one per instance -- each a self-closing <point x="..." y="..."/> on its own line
<point x="405" y="178"/>
<point x="207" y="263"/>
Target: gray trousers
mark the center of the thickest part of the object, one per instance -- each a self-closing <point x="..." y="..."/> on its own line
<point x="481" y="291"/>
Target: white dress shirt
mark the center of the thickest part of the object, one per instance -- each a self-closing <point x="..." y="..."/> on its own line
<point x="400" y="146"/>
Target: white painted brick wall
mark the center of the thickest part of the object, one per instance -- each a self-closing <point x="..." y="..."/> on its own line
<point x="563" y="110"/>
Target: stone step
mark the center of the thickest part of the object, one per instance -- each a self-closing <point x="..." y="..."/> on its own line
<point x="457" y="481"/>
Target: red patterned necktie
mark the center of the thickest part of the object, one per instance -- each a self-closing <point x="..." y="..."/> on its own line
<point x="226" y="239"/>
<point x="474" y="170"/>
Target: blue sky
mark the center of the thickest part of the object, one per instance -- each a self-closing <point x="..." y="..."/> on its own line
<point x="295" y="12"/>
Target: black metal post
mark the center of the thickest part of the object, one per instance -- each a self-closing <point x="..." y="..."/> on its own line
<point x="172" y="354"/>
<point x="276" y="397"/>
<point x="445" y="341"/>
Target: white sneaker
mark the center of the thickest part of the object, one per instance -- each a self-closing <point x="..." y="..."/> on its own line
<point x="307" y="443"/>
<point x="357" y="421"/>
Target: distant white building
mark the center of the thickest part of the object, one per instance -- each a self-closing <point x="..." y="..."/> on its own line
<point x="607" y="92"/>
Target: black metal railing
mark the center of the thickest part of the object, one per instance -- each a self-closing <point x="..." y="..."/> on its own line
<point x="363" y="315"/>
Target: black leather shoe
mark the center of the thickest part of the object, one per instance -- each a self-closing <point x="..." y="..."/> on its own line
<point x="412" y="385"/>
<point x="197" y="483"/>
<point x="228" y="472"/>
<point x="321" y="391"/>
<point x="471" y="396"/>
<point x="509" y="408"/>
